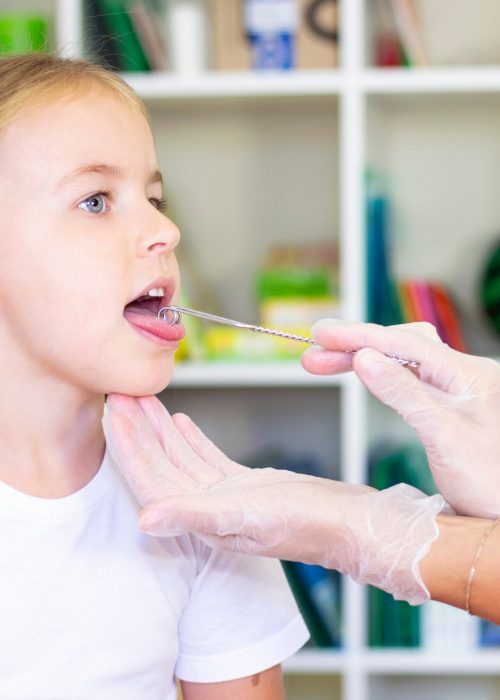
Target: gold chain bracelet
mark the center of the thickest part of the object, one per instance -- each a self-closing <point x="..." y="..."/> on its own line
<point x="472" y="570"/>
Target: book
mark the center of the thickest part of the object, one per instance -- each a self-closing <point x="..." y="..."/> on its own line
<point x="322" y="587"/>
<point x="414" y="301"/>
<point x="445" y="628"/>
<point x="101" y="41"/>
<point x="146" y="28"/>
<point x="421" y="300"/>
<point x="391" y="623"/>
<point x="406" y="19"/>
<point x="119" y="26"/>
<point x="424" y="302"/>
<point x="447" y="318"/>
<point x="489" y="634"/>
<point x="387" y="49"/>
<point x="319" y="625"/>
<point x="406" y="305"/>
<point x="394" y="623"/>
<point x="382" y="301"/>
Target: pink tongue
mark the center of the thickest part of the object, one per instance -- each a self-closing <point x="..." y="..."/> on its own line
<point x="149" y="321"/>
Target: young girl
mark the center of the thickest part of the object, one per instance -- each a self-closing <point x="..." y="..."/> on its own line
<point x="90" y="607"/>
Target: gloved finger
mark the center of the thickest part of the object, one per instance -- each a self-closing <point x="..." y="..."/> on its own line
<point x="172" y="520"/>
<point x="140" y="457"/>
<point x="440" y="366"/>
<point x="193" y="512"/>
<point x="339" y="327"/>
<point x="129" y="436"/>
<point x="207" y="513"/>
<point x="176" y="447"/>
<point x="423" y="328"/>
<point x="204" y="447"/>
<point x="394" y="385"/>
<point x="319" y="361"/>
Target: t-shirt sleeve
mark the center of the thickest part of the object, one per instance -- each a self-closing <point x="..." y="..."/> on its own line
<point x="241" y="619"/>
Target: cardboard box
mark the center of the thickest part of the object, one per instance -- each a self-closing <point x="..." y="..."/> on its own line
<point x="231" y="48"/>
<point x="314" y="51"/>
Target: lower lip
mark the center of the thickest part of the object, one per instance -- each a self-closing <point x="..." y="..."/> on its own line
<point x="156" y="330"/>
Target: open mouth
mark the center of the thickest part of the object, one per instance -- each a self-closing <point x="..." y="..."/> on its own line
<point x="142" y="313"/>
<point x="149" y="303"/>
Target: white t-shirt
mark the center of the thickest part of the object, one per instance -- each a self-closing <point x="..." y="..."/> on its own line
<point x="92" y="609"/>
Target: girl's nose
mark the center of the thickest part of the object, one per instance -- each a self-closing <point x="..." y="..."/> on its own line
<point x="160" y="235"/>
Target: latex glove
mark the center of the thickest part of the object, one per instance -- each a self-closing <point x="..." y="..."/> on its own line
<point x="138" y="431"/>
<point x="376" y="537"/>
<point x="453" y="401"/>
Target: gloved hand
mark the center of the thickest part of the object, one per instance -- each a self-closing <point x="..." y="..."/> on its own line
<point x="139" y="433"/>
<point x="452" y="401"/>
<point x="189" y="485"/>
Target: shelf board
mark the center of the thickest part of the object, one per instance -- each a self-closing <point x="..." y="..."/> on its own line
<point x="239" y="374"/>
<point x="430" y="80"/>
<point x="236" y="84"/>
<point x="395" y="662"/>
<point x="212" y="84"/>
<point x="316" y="661"/>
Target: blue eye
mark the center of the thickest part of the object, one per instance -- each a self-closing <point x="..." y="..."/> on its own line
<point x="95" y="204"/>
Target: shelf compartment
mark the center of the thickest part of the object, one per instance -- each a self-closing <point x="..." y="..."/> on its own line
<point x="242" y="177"/>
<point x="439" y="154"/>
<point x="294" y="428"/>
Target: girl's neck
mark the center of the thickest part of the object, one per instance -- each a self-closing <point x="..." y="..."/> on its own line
<point x="51" y="439"/>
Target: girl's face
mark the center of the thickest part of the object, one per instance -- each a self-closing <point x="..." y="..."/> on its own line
<point x="81" y="236"/>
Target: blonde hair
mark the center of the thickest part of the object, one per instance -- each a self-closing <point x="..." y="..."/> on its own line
<point x="32" y="79"/>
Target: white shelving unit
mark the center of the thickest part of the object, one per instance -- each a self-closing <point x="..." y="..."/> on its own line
<point x="254" y="159"/>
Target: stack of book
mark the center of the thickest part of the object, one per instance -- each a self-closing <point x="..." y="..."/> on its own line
<point x="390" y="300"/>
<point x="432" y="626"/>
<point x="420" y="300"/>
<point x="394" y="623"/>
<point x="316" y="590"/>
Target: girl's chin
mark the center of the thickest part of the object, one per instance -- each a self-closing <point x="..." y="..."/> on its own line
<point x="146" y="385"/>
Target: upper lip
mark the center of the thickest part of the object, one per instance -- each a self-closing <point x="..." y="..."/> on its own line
<point x="166" y="283"/>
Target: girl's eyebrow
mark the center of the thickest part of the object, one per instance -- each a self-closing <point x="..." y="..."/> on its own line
<point x="104" y="169"/>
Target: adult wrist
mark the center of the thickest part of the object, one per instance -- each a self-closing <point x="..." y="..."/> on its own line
<point x="446" y="568"/>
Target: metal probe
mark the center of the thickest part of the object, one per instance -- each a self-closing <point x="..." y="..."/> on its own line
<point x="172" y="315"/>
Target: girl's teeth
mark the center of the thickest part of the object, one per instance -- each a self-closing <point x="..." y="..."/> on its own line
<point x="156" y="292"/>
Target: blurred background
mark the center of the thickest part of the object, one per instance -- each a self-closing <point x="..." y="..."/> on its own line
<point x="322" y="158"/>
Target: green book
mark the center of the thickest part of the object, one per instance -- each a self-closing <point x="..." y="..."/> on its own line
<point x="99" y="41"/>
<point x="394" y="623"/>
<point x="128" y="48"/>
<point x="382" y="300"/>
<point x="320" y="635"/>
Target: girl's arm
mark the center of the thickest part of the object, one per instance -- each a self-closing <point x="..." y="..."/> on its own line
<point x="267" y="685"/>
